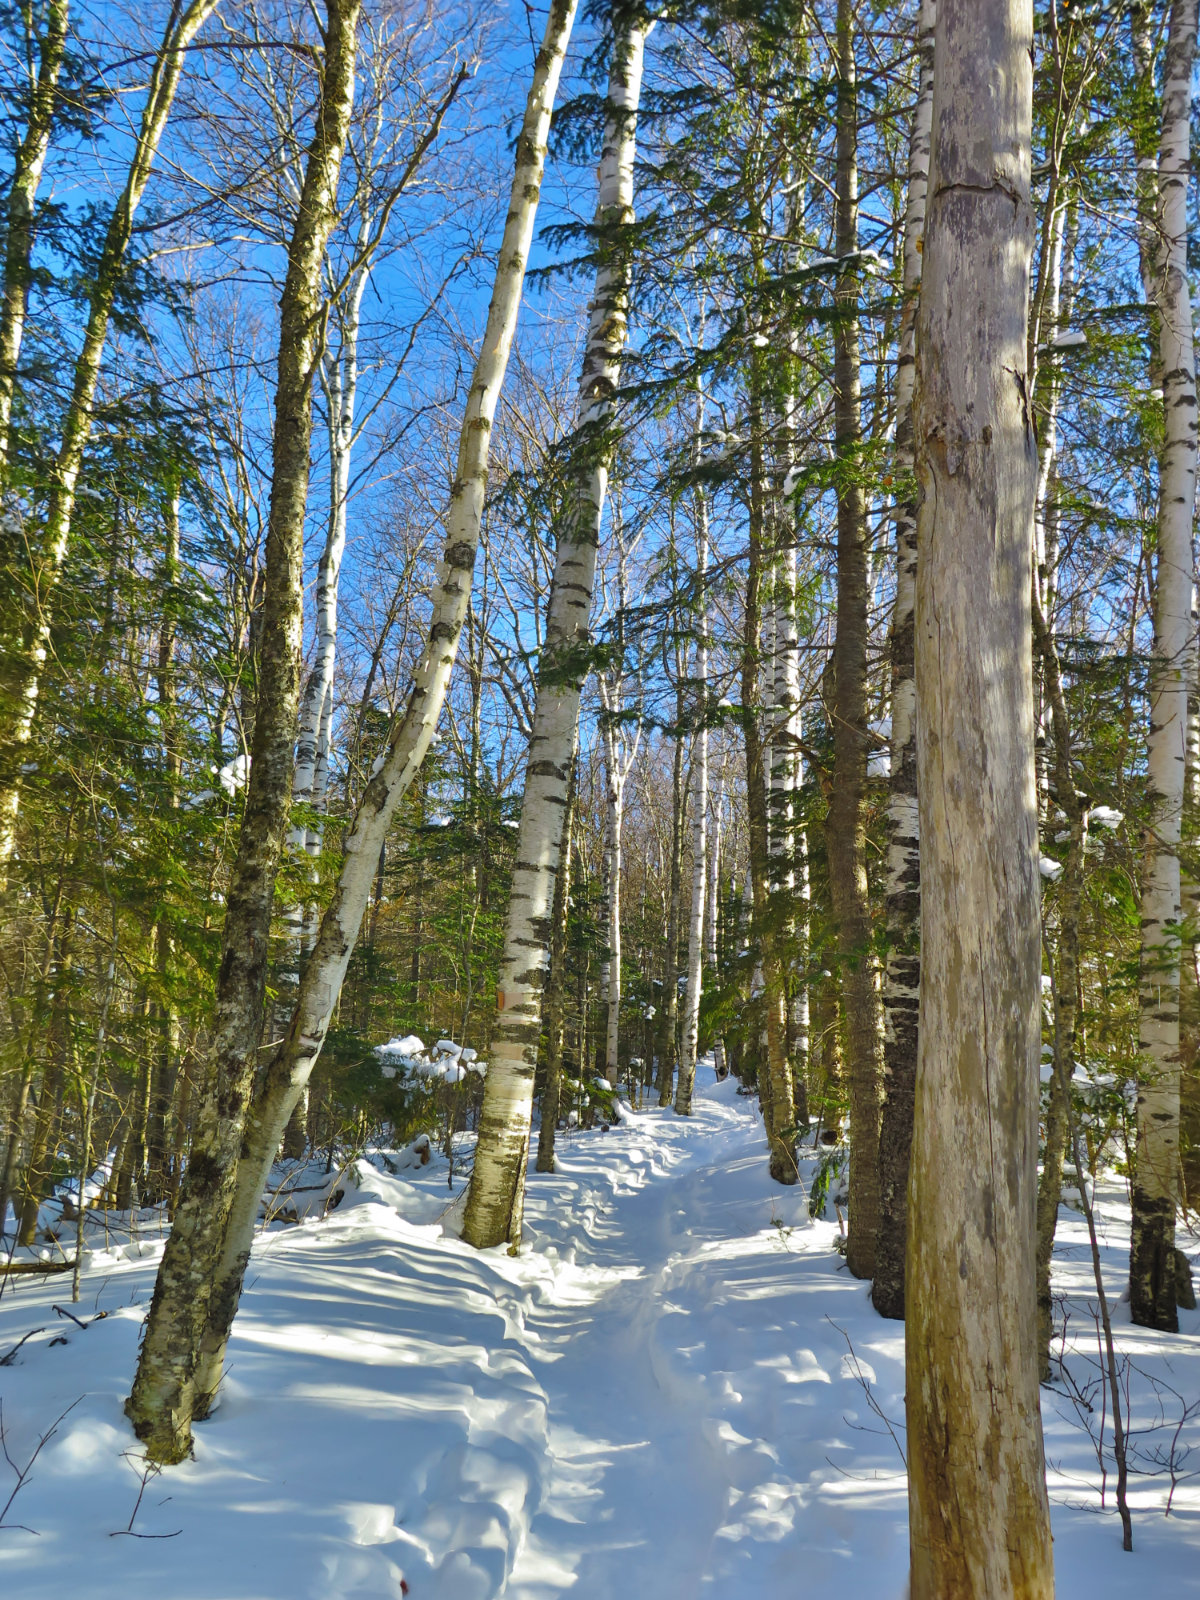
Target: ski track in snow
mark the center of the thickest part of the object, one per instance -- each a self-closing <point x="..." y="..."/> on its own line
<point x="656" y="1400"/>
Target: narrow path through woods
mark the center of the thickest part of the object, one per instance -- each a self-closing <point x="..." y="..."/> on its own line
<point x="656" y="1401"/>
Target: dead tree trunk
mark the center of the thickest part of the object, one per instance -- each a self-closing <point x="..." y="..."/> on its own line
<point x="978" y="1513"/>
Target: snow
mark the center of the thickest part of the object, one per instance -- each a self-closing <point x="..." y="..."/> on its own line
<point x="446" y="1060"/>
<point x="233" y="775"/>
<point x="1105" y="817"/>
<point x="1049" y="868"/>
<point x="666" y="1394"/>
<point x="1069" y="341"/>
<point x="410" y="1045"/>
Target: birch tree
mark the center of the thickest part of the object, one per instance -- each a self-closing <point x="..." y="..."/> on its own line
<point x="978" y="1513"/>
<point x="165" y="1393"/>
<point x="1152" y="1267"/>
<point x="556" y="988"/>
<point x="495" y="1198"/>
<point x="288" y="1072"/>
<point x="26" y="657"/>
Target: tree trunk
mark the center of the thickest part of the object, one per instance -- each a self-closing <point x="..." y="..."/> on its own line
<point x="37" y="1167"/>
<point x="668" y="1015"/>
<point x="712" y="915"/>
<point x="20" y="202"/>
<point x="615" y="806"/>
<point x="699" y="802"/>
<point x="168" y="1389"/>
<point x="1152" y="1276"/>
<point x="496" y="1194"/>
<point x="619" y="756"/>
<point x="23" y="668"/>
<point x="846" y="825"/>
<point x="902" y="975"/>
<point x="556" y="989"/>
<point x="774" y="1073"/>
<point x="1056" y="308"/>
<point x="1066" y="984"/>
<point x="978" y="1512"/>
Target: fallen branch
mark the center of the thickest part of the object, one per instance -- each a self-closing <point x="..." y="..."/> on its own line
<point x="13" y="1269"/>
<point x="10" y="1356"/>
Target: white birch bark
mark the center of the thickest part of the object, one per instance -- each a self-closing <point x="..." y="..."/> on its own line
<point x="339" y="380"/>
<point x="288" y="1073"/>
<point x="23" y="672"/>
<point x="1155" y="1189"/>
<point x="496" y="1194"/>
<point x="978" y="1513"/>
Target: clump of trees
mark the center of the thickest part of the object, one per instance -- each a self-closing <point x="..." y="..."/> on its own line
<point x="761" y="627"/>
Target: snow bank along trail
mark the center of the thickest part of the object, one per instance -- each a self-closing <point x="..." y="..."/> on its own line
<point x="665" y="1396"/>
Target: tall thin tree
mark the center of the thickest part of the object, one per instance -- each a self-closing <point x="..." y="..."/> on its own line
<point x="495" y="1198"/>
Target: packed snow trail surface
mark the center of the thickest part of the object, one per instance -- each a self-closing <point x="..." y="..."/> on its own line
<point x="665" y="1397"/>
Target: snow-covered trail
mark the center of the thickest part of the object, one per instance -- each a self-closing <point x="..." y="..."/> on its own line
<point x="687" y="1448"/>
<point x="662" y="1398"/>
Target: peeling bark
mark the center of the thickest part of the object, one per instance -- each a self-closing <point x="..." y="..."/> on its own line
<point x="978" y="1512"/>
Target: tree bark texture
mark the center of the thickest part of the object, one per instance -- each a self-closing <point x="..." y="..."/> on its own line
<point x="496" y="1194"/>
<point x="846" y="825"/>
<point x="1155" y="1188"/>
<point x="902" y="974"/>
<point x="556" y="990"/>
<point x="978" y="1512"/>
<point x="169" y="1389"/>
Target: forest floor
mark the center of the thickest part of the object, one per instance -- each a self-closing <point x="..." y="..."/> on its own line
<point x="677" y="1390"/>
